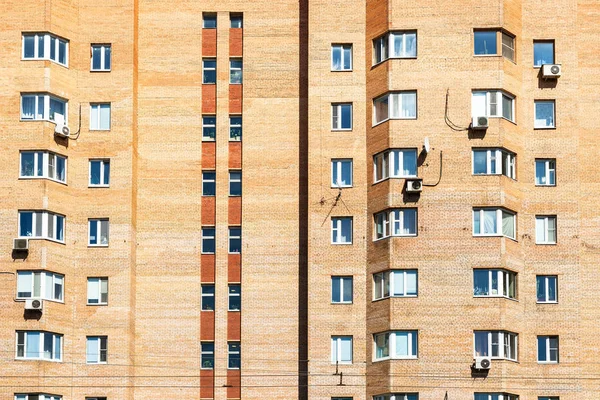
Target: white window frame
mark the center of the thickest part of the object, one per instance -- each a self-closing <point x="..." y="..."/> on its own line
<point x="390" y="223"/>
<point x="45" y="218"/>
<point x="493" y="97"/>
<point x="234" y="180"/>
<point x="99" y="344"/>
<point x="99" y="222"/>
<point x="336" y="116"/>
<point x="496" y="396"/>
<point x="390" y="338"/>
<point x="103" y="177"/>
<point x="231" y="295"/>
<point x="206" y="294"/>
<point x="548" y="355"/>
<point x="47" y="43"/>
<point x="549" y="171"/>
<point x="385" y="45"/>
<point x="45" y="99"/>
<point x="508" y="51"/>
<point x="502" y="277"/>
<point x="49" y="162"/>
<point x="397" y="396"/>
<point x="394" y="101"/>
<point x="341" y="47"/>
<point x="205" y="236"/>
<point x="336" y="349"/>
<point x="57" y="339"/>
<point x="28" y="278"/>
<point x="503" y="339"/>
<point x="38" y="396"/>
<point x="231" y="237"/>
<point x="103" y="50"/>
<point x="498" y="160"/>
<point x="235" y="125"/>
<point x="205" y="352"/>
<point x="342" y="281"/>
<point x="548" y="398"/>
<point x="386" y="280"/>
<point x="542" y="222"/>
<point x="546" y="282"/>
<point x="231" y="353"/>
<point x="233" y="70"/>
<point x="499" y="213"/>
<point x="386" y="163"/>
<point x="207" y="138"/>
<point x="96" y="111"/>
<point x="207" y="180"/>
<point x="337" y="229"/>
<point x="337" y="169"/>
<point x="96" y="292"/>
<point x="205" y="68"/>
<point x="535" y="119"/>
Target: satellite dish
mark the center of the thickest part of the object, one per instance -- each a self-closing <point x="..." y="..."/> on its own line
<point x="426" y="145"/>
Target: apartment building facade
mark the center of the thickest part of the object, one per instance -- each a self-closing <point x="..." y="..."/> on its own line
<point x="366" y="200"/>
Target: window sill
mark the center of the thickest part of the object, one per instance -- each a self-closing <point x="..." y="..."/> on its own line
<point x="100" y="70"/>
<point x="487" y="55"/>
<point x="99" y="130"/>
<point x="395" y="359"/>
<point x="210" y="254"/>
<point x="235" y="140"/>
<point x="546" y="244"/>
<point x="342" y="130"/>
<point x="207" y="310"/>
<point x="97" y="304"/>
<point x="342" y="244"/>
<point x="210" y="83"/>
<point x="396" y="177"/>
<point x="95" y="246"/>
<point x="548" y="362"/>
<point x="546" y="302"/>
<point x="96" y="363"/>
<point x="29" y="178"/>
<point x="23" y="299"/>
<point x="41" y="238"/>
<point x="545" y="185"/>
<point x="235" y="195"/>
<point x="236" y="311"/>
<point x="236" y="83"/>
<point x="494" y="297"/>
<point x="341" y="70"/>
<point x="410" y="296"/>
<point x="36" y="359"/>
<point x="341" y="187"/>
<point x="395" y="236"/>
<point x="341" y="303"/>
<point x="208" y="140"/>
<point x="98" y="186"/>
<point x="544" y="128"/>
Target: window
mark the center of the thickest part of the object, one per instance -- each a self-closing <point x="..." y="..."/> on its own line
<point x="494" y="283"/>
<point x="209" y="128"/>
<point x="496" y="344"/>
<point x="209" y="71"/>
<point x="341" y="57"/>
<point x="100" y="117"/>
<point x="95" y="398"/>
<point x="209" y="21"/>
<point x="341" y="117"/>
<point x="41" y="225"/>
<point x="237" y="20"/>
<point x="397" y="396"/>
<point x="397" y="105"/>
<point x="548" y="398"/>
<point x="396" y="222"/>
<point x="496" y="396"/>
<point x="395" y="344"/>
<point x="235" y="128"/>
<point x="38" y="107"/>
<point x="40" y="284"/>
<point x="96" y="349"/>
<point x="545" y="229"/>
<point x="341" y="173"/>
<point x="97" y="291"/>
<point x="208" y="240"/>
<point x="101" y="57"/>
<point x="208" y="183"/>
<point x="208" y="355"/>
<point x="98" y="232"/>
<point x="494" y="222"/>
<point x="341" y="398"/>
<point x="395" y="283"/>
<point x="208" y="297"/>
<point x="341" y="349"/>
<point x="547" y="288"/>
<point x="235" y="71"/>
<point x="544" y="114"/>
<point x="341" y="230"/>
<point x="37" y="396"/>
<point x="39" y="345"/>
<point x="45" y="46"/>
<point x="398" y="44"/>
<point x="486" y="42"/>
<point x="543" y="52"/>
<point x="235" y="298"/>
<point x="235" y="183"/>
<point x="395" y="163"/>
<point x="341" y="289"/>
<point x="235" y="239"/>
<point x="494" y="162"/>
<point x="508" y="46"/>
<point x="493" y="104"/>
<point x="545" y="172"/>
<point x="547" y="349"/>
<point x="233" y="355"/>
<point x="100" y="173"/>
<point x="43" y="164"/>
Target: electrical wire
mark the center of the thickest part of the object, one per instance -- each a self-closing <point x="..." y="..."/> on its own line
<point x="451" y="124"/>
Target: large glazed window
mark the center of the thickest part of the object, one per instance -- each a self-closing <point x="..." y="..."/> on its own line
<point x="45" y="46"/>
<point x="495" y="344"/>
<point x="395" y="105"/>
<point x="396" y="44"/>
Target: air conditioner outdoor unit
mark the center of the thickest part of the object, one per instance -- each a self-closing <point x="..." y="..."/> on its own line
<point x="61" y="129"/>
<point x="414" y="185"/>
<point x="483" y="363"/>
<point x="480" y="123"/>
<point x="551" y="70"/>
<point x="21" y="244"/>
<point x="34" y="304"/>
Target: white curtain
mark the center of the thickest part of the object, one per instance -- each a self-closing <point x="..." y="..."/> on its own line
<point x="489" y="222"/>
<point x="508" y="224"/>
